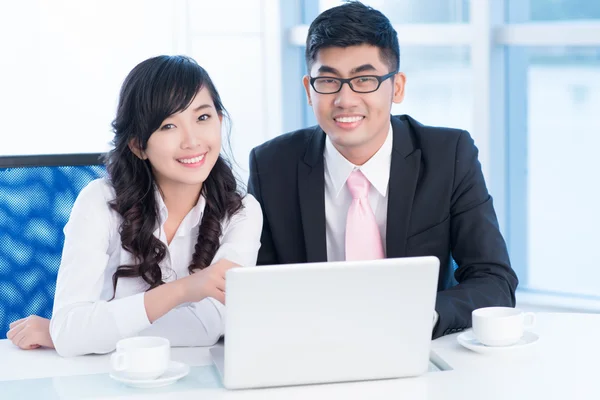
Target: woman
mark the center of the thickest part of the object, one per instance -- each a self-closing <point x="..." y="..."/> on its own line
<point x="146" y="250"/>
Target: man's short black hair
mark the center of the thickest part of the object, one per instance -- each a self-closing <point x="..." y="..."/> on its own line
<point x="353" y="24"/>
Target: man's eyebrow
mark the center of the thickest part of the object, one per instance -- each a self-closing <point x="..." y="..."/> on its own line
<point x="362" y="68"/>
<point x="327" y="69"/>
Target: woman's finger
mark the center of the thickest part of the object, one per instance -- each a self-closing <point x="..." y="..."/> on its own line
<point x="16" y="323"/>
<point x="14" y="331"/>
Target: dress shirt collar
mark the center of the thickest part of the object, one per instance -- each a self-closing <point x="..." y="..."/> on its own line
<point x="376" y="170"/>
<point x="191" y="220"/>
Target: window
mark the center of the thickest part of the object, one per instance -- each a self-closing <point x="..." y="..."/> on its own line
<point x="415" y="12"/>
<point x="439" y="88"/>
<point x="563" y="126"/>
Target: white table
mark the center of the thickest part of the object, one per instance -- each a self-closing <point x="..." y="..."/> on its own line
<point x="562" y="365"/>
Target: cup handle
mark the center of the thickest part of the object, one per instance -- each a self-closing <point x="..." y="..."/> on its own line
<point x="528" y="319"/>
<point x="118" y="361"/>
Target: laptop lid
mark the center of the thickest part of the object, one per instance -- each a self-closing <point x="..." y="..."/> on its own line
<point x="328" y="322"/>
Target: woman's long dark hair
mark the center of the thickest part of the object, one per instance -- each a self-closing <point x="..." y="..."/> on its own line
<point x="154" y="90"/>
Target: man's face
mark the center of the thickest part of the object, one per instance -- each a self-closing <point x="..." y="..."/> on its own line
<point x="356" y="123"/>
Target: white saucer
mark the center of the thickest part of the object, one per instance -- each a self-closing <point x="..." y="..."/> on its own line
<point x="468" y="340"/>
<point x="175" y="372"/>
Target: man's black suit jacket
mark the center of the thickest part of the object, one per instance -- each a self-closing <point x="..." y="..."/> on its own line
<point x="438" y="204"/>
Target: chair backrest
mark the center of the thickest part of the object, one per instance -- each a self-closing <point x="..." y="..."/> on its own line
<point x="36" y="197"/>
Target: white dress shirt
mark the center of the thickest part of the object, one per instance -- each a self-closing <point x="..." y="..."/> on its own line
<point x="338" y="197"/>
<point x="85" y="319"/>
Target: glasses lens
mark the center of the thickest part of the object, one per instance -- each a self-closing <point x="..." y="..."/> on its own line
<point x="326" y="85"/>
<point x="365" y="83"/>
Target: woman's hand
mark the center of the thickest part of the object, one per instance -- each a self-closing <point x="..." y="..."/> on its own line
<point x="209" y="282"/>
<point x="30" y="333"/>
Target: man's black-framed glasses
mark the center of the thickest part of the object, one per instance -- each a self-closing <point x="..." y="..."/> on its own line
<point x="359" y="84"/>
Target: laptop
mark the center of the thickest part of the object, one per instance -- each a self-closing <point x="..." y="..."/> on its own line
<point x="326" y="322"/>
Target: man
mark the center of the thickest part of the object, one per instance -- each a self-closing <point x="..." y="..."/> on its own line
<point x="364" y="185"/>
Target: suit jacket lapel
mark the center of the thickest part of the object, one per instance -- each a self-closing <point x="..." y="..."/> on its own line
<point x="311" y="192"/>
<point x="404" y="173"/>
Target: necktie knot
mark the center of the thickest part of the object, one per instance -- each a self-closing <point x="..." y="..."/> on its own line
<point x="358" y="184"/>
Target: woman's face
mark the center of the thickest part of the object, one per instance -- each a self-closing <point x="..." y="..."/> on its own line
<point x="185" y="148"/>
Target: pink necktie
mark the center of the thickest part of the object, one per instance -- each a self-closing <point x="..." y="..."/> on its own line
<point x="363" y="241"/>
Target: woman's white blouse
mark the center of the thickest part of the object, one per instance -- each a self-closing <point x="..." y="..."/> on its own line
<point x="85" y="319"/>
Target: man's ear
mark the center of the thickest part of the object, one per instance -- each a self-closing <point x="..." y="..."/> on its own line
<point x="306" y="83"/>
<point x="399" y="85"/>
<point x="135" y="149"/>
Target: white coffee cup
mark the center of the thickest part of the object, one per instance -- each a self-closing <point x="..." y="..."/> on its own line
<point x="500" y="326"/>
<point x="144" y="357"/>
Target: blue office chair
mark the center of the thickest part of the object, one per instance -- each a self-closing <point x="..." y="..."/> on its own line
<point x="36" y="197"/>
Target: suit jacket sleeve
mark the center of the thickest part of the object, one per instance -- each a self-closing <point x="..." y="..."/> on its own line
<point x="266" y="253"/>
<point x="484" y="275"/>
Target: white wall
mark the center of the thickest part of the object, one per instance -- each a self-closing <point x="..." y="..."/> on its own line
<point x="63" y="62"/>
<point x="238" y="42"/>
